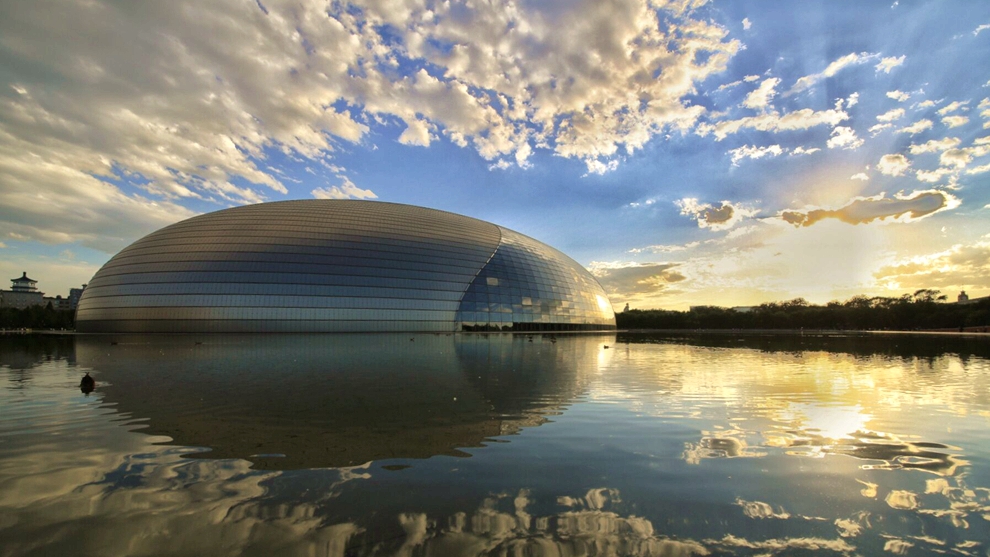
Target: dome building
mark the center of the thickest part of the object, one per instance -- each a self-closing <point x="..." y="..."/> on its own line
<point x="340" y="266"/>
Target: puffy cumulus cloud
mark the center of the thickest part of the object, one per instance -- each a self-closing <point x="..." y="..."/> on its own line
<point x="863" y="210"/>
<point x="773" y="121"/>
<point x="624" y="280"/>
<point x="893" y="165"/>
<point x="860" y="176"/>
<point x="416" y="133"/>
<point x="746" y="23"/>
<point x="760" y="97"/>
<point x="888" y="63"/>
<point x="346" y="190"/>
<point x="955" y="121"/>
<point x="753" y="152"/>
<point x="957" y="158"/>
<point x="962" y="267"/>
<point x="851" y="59"/>
<point x="898" y="96"/>
<point x="891" y="115"/>
<point x="917" y="127"/>
<point x="723" y="217"/>
<point x="934" y="145"/>
<point x="204" y="92"/>
<point x="598" y="167"/>
<point x="586" y="93"/>
<point x="844" y="137"/>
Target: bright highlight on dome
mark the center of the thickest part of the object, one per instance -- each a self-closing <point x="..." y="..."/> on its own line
<point x="340" y="266"/>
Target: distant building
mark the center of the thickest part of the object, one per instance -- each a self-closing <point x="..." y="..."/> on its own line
<point x="743" y="309"/>
<point x="74" y="295"/>
<point x="964" y="299"/>
<point x="23" y="293"/>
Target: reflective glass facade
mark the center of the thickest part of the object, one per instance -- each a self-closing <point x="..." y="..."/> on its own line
<point x="339" y="265"/>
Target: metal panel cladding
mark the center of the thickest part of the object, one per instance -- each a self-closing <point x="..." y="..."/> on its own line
<point x="339" y="265"/>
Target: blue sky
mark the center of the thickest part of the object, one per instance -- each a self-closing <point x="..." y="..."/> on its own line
<point x="686" y="152"/>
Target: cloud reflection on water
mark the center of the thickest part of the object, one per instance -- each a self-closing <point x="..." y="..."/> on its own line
<point x="740" y="453"/>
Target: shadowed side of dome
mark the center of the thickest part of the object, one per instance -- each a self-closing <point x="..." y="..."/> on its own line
<point x="339" y="266"/>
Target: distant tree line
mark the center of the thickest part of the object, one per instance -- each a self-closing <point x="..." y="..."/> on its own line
<point x="925" y="309"/>
<point x="37" y="317"/>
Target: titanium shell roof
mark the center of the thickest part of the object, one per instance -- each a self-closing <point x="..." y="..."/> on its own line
<point x="340" y="266"/>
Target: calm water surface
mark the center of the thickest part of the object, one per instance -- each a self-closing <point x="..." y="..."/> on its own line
<point x="494" y="444"/>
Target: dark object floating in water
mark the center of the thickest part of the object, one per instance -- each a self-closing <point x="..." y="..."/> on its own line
<point x="87" y="384"/>
<point x="396" y="467"/>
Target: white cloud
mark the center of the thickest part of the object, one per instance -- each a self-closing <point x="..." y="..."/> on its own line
<point x="760" y="97"/>
<point x="204" y="92"/>
<point x="416" y="133"/>
<point x="874" y="130"/>
<point x="888" y="63"/>
<point x="932" y="176"/>
<point x="746" y="23"/>
<point x="800" y="150"/>
<point x="851" y="59"/>
<point x="852" y="100"/>
<point x="500" y="164"/>
<point x="751" y="78"/>
<point x="731" y="85"/>
<point x="925" y="104"/>
<point x="955" y="121"/>
<point x="859" y="176"/>
<point x="893" y="165"/>
<point x="844" y="137"/>
<point x="753" y="152"/>
<point x="891" y="115"/>
<point x="957" y="158"/>
<point x="899" y="96"/>
<point x="979" y="169"/>
<point x="934" y="145"/>
<point x="346" y="190"/>
<point x="952" y="107"/>
<point x="598" y="167"/>
<point x="774" y="121"/>
<point x="917" y="127"/>
<point x="981" y="28"/>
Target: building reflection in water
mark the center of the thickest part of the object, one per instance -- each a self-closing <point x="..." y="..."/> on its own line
<point x="315" y="401"/>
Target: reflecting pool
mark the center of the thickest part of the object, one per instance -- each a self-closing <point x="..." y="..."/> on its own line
<point x="494" y="444"/>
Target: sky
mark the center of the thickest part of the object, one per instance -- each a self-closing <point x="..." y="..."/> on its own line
<point x="686" y="152"/>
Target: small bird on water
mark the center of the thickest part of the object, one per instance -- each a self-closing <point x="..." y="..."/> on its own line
<point x="87" y="384"/>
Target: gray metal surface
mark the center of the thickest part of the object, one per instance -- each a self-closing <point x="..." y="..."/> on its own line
<point x="335" y="266"/>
